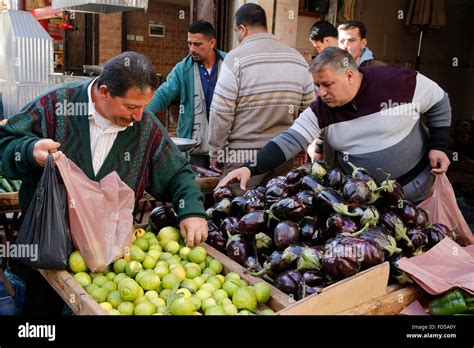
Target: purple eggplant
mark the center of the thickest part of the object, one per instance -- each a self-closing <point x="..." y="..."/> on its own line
<point x="370" y="253"/>
<point x="216" y="238"/>
<point x="318" y="170"/>
<point x="313" y="278"/>
<point x="253" y="204"/>
<point x="161" y="217"/>
<point x="311" y="232"/>
<point x="221" y="210"/>
<point x="356" y="192"/>
<point x="408" y="212"/>
<point x="311" y="184"/>
<point x="337" y="224"/>
<point x="396" y="273"/>
<point x="393" y="224"/>
<point x="421" y="218"/>
<point x="237" y="207"/>
<point x="230" y="224"/>
<point x="253" y="223"/>
<point x="436" y="234"/>
<point x="330" y="200"/>
<point x="285" y="234"/>
<point x="382" y="238"/>
<point x="392" y="192"/>
<point x="369" y="216"/>
<point x="273" y="181"/>
<point x="310" y="259"/>
<point x="293" y="180"/>
<point x="446" y="231"/>
<point x="305" y="290"/>
<point x="308" y="198"/>
<point x="341" y="260"/>
<point x="256" y="192"/>
<point x="307" y="228"/>
<point x="251" y="264"/>
<point x="237" y="249"/>
<point x="294" y="249"/>
<point x="335" y="179"/>
<point x="419" y="240"/>
<point x="287" y="209"/>
<point x="361" y="173"/>
<point x="275" y="264"/>
<point x="288" y="281"/>
<point x="223" y="192"/>
<point x="294" y="176"/>
<point x="275" y="192"/>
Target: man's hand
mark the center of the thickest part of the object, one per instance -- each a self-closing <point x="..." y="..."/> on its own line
<point x="193" y="230"/>
<point x="43" y="148"/>
<point x="213" y="164"/>
<point x="242" y="174"/>
<point x="439" y="161"/>
<point x="311" y="150"/>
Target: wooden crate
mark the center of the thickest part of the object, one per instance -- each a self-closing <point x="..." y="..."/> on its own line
<point x="345" y="294"/>
<point x="9" y="202"/>
<point x="341" y="296"/>
<point x="83" y="304"/>
<point x="72" y="293"/>
<point x="392" y="303"/>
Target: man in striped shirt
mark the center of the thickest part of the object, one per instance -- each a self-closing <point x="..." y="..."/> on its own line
<point x="262" y="87"/>
<point x="372" y="119"/>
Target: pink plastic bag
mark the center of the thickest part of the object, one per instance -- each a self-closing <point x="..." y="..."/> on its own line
<point x="443" y="208"/>
<point x="100" y="215"/>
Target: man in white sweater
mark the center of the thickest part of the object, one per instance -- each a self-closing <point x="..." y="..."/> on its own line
<point x="262" y="88"/>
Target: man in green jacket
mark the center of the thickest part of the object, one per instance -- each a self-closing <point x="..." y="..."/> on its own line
<point x="194" y="80"/>
<point x="102" y="126"/>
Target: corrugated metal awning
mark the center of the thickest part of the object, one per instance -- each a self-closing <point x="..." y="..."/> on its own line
<point x="100" y="6"/>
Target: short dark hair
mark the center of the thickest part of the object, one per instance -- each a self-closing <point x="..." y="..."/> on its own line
<point x="335" y="57"/>
<point x="251" y="15"/>
<point x="354" y="24"/>
<point x="322" y="29"/>
<point x="125" y="71"/>
<point x="204" y="28"/>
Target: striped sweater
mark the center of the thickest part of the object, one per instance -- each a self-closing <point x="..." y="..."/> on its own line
<point x="143" y="155"/>
<point x="380" y="128"/>
<point x="262" y="87"/>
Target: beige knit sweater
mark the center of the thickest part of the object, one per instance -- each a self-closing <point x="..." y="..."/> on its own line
<point x="262" y="87"/>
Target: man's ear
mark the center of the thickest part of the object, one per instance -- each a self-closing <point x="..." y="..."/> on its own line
<point x="213" y="42"/>
<point x="349" y="76"/>
<point x="104" y="91"/>
<point x="364" y="43"/>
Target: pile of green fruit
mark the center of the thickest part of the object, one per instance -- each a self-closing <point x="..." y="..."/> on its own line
<point x="159" y="275"/>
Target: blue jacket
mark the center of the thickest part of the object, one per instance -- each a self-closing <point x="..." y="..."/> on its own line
<point x="180" y="81"/>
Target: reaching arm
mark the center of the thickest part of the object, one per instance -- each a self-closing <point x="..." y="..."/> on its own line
<point x="280" y="149"/>
<point x="167" y="92"/>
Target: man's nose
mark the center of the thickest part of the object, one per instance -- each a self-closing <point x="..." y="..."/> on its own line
<point x="137" y="115"/>
<point x="322" y="91"/>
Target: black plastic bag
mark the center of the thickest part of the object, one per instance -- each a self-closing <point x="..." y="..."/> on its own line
<point x="44" y="240"/>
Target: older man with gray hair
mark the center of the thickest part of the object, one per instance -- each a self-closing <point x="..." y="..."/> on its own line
<point x="372" y="118"/>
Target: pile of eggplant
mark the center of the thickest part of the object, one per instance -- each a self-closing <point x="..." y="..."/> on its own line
<point x="314" y="227"/>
